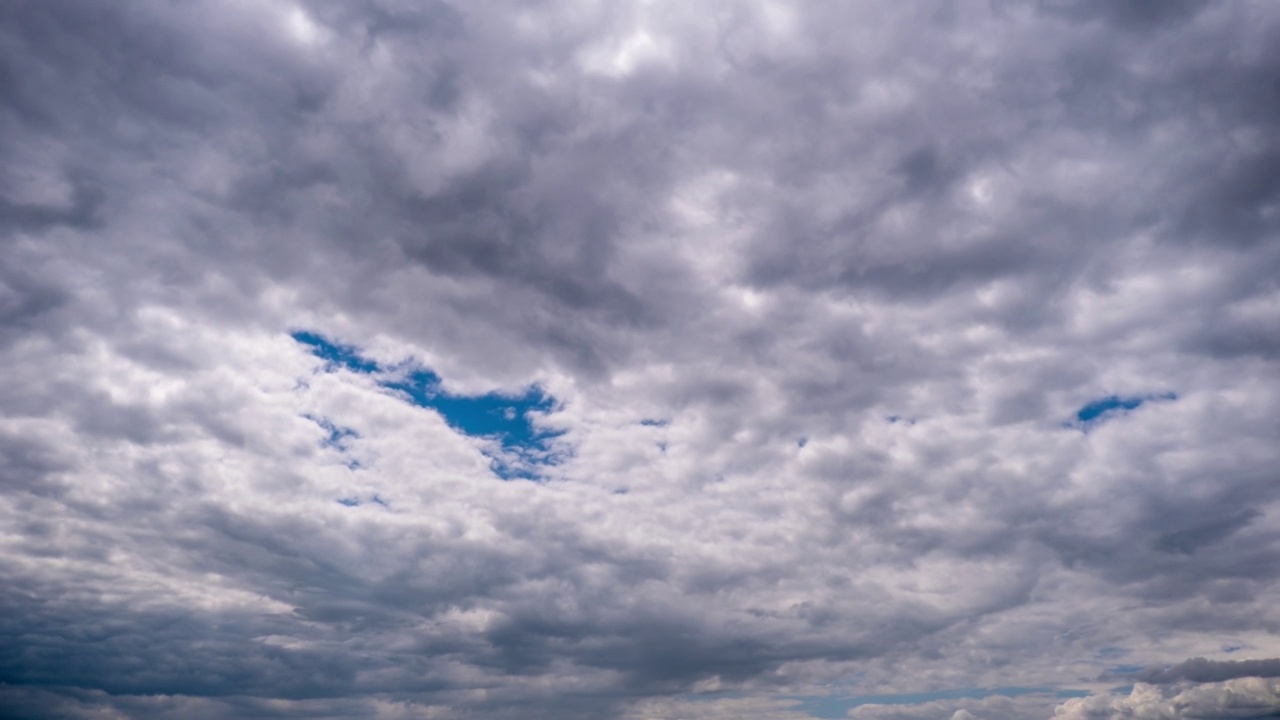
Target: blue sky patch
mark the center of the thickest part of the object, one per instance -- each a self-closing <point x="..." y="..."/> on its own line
<point x="1115" y="405"/>
<point x="505" y="418"/>
<point x="335" y="355"/>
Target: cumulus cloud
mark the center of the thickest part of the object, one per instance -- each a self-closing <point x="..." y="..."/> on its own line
<point x="858" y="352"/>
<point x="1251" y="697"/>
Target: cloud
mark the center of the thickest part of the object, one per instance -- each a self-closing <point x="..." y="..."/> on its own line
<point x="1201" y="670"/>
<point x="1246" y="697"/>
<point x="794" y="304"/>
<point x="995" y="707"/>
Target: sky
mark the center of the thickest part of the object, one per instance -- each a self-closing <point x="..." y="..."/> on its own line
<point x="641" y="360"/>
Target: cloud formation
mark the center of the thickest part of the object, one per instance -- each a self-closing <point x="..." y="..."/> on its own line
<point x="896" y="351"/>
<point x="1201" y="670"/>
<point x="1249" y="697"/>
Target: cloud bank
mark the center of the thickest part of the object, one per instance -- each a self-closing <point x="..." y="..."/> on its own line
<point x="744" y="357"/>
<point x="1201" y="670"/>
<point x="1251" y="697"/>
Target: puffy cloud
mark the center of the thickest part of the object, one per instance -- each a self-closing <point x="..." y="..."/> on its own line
<point x="1249" y="697"/>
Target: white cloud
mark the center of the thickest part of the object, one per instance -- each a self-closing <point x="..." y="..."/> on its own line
<point x="1239" y="698"/>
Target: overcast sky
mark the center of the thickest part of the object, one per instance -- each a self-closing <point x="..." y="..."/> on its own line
<point x="654" y="360"/>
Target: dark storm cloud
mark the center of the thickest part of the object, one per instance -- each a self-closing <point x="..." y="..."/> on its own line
<point x="865" y="263"/>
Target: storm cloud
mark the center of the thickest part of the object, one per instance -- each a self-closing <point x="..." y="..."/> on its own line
<point x="642" y="359"/>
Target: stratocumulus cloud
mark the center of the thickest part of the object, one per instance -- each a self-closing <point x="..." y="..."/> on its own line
<point x="742" y="358"/>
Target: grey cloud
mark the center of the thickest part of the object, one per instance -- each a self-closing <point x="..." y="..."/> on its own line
<point x="28" y="464"/>
<point x="918" y="237"/>
<point x="28" y="304"/>
<point x="1202" y="670"/>
<point x="1130" y="15"/>
<point x="1188" y="540"/>
<point x="80" y="210"/>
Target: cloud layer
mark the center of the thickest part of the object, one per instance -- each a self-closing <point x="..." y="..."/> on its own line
<point x="894" y="351"/>
<point x="1201" y="670"/>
